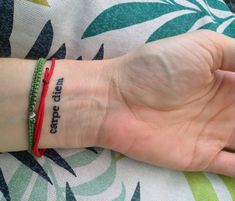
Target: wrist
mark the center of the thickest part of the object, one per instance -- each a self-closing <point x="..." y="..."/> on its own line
<point x="74" y="116"/>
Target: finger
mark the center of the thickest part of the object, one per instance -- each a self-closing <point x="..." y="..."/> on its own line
<point x="231" y="143"/>
<point x="220" y="47"/>
<point x="223" y="163"/>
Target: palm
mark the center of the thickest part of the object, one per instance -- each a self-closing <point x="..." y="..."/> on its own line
<point x="174" y="109"/>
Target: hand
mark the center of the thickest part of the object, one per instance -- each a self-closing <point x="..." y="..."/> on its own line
<point x="173" y="103"/>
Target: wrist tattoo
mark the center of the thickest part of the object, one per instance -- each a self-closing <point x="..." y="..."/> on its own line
<point x="56" y="96"/>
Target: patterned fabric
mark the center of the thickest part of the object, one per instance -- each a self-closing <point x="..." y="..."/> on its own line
<point x="98" y="29"/>
<point x="231" y="4"/>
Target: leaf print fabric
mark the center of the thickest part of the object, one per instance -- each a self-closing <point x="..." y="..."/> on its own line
<point x="69" y="193"/>
<point x="96" y="30"/>
<point x="127" y="14"/>
<point x="41" y="2"/>
<point x="29" y="161"/>
<point x="4" y="187"/>
<point x="43" y="43"/>
<point x="6" y="24"/>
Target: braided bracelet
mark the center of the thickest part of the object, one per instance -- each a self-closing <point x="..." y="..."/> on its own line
<point x="33" y="99"/>
<point x="40" y="112"/>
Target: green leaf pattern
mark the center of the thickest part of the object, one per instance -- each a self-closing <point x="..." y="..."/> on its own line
<point x="40" y="2"/>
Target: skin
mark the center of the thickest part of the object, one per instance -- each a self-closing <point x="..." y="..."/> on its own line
<point x="175" y="103"/>
<point x="169" y="103"/>
<point x="82" y="106"/>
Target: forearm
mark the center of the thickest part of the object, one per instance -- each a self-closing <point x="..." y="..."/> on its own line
<point x="76" y="103"/>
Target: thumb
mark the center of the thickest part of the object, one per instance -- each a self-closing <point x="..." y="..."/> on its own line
<point x="220" y="47"/>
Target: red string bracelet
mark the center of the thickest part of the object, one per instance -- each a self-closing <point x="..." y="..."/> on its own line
<point x="40" y="113"/>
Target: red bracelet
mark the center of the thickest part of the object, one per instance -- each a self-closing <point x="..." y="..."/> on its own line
<point x="41" y="108"/>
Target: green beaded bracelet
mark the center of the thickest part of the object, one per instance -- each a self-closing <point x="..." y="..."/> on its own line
<point x="33" y="99"/>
